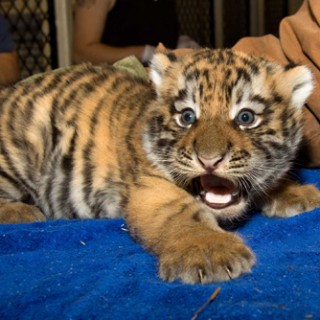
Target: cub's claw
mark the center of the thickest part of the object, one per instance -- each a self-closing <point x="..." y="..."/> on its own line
<point x="204" y="258"/>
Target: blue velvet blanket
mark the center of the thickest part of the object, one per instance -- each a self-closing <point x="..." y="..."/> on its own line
<point x="93" y="270"/>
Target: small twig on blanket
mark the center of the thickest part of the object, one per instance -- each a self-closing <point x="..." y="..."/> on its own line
<point x="212" y="297"/>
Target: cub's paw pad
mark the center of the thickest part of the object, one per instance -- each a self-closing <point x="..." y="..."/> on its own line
<point x="205" y="258"/>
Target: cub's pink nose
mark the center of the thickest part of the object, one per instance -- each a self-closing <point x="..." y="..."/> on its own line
<point x="210" y="164"/>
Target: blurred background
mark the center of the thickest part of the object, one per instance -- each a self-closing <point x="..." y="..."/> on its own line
<point x="42" y="29"/>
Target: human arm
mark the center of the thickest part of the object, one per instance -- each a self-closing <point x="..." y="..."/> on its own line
<point x="9" y="68"/>
<point x="89" y="20"/>
<point x="9" y="63"/>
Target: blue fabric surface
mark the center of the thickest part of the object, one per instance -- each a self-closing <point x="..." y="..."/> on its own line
<point x="93" y="270"/>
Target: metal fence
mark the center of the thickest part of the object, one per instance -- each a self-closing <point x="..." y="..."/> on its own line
<point x="196" y="20"/>
<point x="33" y="31"/>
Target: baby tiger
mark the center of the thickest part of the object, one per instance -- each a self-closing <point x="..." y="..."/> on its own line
<point x="212" y="133"/>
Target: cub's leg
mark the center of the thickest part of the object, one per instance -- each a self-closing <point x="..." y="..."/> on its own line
<point x="18" y="212"/>
<point x="290" y="199"/>
<point x="184" y="234"/>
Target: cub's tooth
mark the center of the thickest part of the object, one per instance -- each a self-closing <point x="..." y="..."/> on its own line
<point x="217" y="198"/>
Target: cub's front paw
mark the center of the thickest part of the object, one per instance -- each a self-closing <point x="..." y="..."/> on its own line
<point x="205" y="257"/>
<point x="291" y="199"/>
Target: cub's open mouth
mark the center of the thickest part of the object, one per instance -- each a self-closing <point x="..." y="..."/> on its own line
<point x="217" y="192"/>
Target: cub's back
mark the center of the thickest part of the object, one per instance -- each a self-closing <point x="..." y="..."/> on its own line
<point x="52" y="123"/>
<point x="35" y="112"/>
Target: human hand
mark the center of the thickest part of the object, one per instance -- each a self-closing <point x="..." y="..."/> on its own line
<point x="147" y="53"/>
<point x="185" y="41"/>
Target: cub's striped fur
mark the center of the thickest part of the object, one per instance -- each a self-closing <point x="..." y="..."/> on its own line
<point x="212" y="133"/>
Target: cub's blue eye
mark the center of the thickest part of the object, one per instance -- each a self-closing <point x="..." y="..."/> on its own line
<point x="245" y="117"/>
<point x="187" y="117"/>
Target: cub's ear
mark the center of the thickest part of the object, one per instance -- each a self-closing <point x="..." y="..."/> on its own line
<point x="162" y="60"/>
<point x="299" y="79"/>
<point x="159" y="65"/>
<point x="160" y="48"/>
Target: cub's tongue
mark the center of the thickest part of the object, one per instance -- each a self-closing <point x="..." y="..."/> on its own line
<point x="218" y="192"/>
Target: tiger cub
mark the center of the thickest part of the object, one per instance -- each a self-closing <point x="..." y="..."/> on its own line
<point x="213" y="132"/>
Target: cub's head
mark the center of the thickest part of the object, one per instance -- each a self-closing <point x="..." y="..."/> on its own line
<point x="225" y="122"/>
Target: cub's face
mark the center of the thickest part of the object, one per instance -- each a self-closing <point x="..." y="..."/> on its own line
<point x="227" y="123"/>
